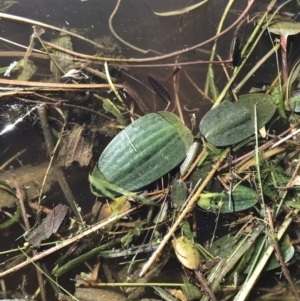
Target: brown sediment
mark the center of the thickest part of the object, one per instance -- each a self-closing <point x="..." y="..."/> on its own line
<point x="30" y="179"/>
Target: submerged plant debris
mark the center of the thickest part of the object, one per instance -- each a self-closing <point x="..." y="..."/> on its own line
<point x="133" y="200"/>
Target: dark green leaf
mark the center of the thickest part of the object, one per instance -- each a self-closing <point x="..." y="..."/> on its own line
<point x="265" y="106"/>
<point x="230" y="123"/>
<point x="227" y="124"/>
<point x="145" y="150"/>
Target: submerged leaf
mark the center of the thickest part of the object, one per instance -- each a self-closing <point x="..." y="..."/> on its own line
<point x="241" y="198"/>
<point x="265" y="106"/>
<point x="179" y="192"/>
<point x="49" y="225"/>
<point x="75" y="148"/>
<point x="62" y="59"/>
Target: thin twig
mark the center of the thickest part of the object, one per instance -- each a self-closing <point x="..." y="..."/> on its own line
<point x="176" y="89"/>
<point x="67" y="242"/>
<point x="193" y="166"/>
<point x="188" y="207"/>
<point x="27" y="226"/>
<point x="248" y="285"/>
<point x="286" y="138"/>
<point x="13" y="158"/>
<point x="205" y="284"/>
<point x="44" y="25"/>
<point x="118" y="37"/>
<point x="255" y="68"/>
<point x="133" y="60"/>
<point x="56" y="85"/>
<point x="21" y="199"/>
<point x="42" y="111"/>
<point x="284" y="268"/>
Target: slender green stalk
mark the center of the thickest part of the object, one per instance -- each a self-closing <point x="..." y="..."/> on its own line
<point x="84" y="257"/>
<point x="12" y="220"/>
<point x="210" y="73"/>
<point x="49" y="278"/>
<point x="111" y="84"/>
<point x="246" y="52"/>
<point x="137" y="284"/>
<point x="255" y="68"/>
<point x="257" y="159"/>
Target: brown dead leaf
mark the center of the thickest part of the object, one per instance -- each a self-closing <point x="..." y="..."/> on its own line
<point x="49" y="225"/>
<point x="178" y="294"/>
<point x="62" y="59"/>
<point x="75" y="148"/>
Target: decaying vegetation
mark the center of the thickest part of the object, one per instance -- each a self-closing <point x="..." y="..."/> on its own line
<point x="141" y="237"/>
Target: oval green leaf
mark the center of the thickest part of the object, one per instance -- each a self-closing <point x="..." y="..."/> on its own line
<point x="145" y="151"/>
<point x="265" y="106"/>
<point x="226" y="124"/>
<point x="242" y="198"/>
<point x="230" y="123"/>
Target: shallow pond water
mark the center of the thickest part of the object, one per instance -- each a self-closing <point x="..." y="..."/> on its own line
<point x="135" y="23"/>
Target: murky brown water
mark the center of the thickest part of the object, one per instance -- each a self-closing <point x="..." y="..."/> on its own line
<point x="136" y="24"/>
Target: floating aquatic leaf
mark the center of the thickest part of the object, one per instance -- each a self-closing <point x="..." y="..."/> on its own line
<point x="285" y="28"/>
<point x="265" y="106"/>
<point x="227" y="124"/>
<point x="230" y="123"/>
<point x="143" y="152"/>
